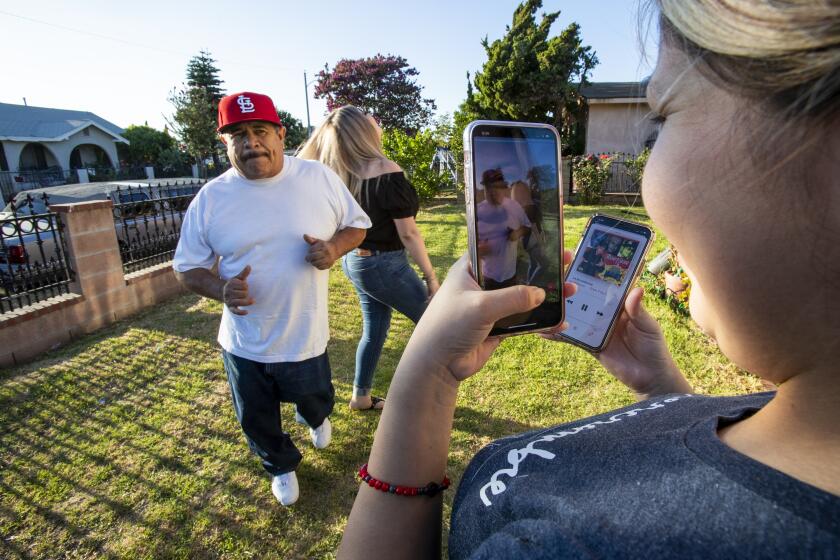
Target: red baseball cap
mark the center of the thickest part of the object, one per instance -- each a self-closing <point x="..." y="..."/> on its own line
<point x="491" y="176"/>
<point x="246" y="106"/>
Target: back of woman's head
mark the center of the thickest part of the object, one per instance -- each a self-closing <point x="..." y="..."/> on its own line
<point x="783" y="53"/>
<point x="347" y="142"/>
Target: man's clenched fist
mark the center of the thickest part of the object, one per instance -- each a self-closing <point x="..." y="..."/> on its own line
<point x="235" y="292"/>
<point x="321" y="254"/>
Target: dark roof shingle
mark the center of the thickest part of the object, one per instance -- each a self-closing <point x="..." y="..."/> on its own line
<point x="21" y="121"/>
<point x="614" y="90"/>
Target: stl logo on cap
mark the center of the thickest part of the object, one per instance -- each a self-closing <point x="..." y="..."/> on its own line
<point x="245" y="104"/>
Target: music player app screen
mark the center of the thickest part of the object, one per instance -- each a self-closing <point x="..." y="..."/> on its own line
<point x="602" y="269"/>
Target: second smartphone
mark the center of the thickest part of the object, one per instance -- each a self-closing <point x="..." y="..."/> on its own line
<point x="514" y="215"/>
<point x="606" y="265"/>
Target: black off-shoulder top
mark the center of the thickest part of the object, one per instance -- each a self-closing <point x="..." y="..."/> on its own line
<point x="386" y="198"/>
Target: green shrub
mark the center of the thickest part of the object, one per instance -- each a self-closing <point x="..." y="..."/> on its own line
<point x="591" y="174"/>
<point x="414" y="154"/>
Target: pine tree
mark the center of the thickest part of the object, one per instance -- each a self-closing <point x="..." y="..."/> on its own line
<point x="202" y="73"/>
<point x="196" y="106"/>
<point x="530" y="76"/>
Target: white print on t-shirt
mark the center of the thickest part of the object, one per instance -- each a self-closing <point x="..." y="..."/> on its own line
<point x="517" y="456"/>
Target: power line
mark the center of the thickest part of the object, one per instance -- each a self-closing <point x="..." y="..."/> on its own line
<point x="140" y="45"/>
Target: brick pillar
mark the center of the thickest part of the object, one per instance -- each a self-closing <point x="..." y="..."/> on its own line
<point x="94" y="255"/>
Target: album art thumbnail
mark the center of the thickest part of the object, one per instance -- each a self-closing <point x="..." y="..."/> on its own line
<point x="608" y="256"/>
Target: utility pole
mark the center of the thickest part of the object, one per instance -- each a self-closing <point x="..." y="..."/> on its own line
<point x="306" y="93"/>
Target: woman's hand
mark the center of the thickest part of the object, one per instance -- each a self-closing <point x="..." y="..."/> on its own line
<point x="432" y="285"/>
<point x="453" y="332"/>
<point x="638" y="356"/>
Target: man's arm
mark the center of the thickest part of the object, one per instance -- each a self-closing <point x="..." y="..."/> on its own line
<point x="518" y="233"/>
<point x="523" y="225"/>
<point x="233" y="293"/>
<point x="322" y="254"/>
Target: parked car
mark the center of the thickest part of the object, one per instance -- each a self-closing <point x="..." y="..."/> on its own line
<point x="142" y="209"/>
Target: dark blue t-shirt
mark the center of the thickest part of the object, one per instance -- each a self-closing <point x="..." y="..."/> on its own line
<point x="652" y="480"/>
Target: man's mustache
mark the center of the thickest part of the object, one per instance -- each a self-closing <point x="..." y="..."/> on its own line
<point x="250" y="155"/>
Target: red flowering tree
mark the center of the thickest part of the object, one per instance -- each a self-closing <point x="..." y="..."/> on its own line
<point x="381" y="85"/>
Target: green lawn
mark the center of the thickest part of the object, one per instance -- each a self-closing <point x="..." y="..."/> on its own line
<point x="124" y="444"/>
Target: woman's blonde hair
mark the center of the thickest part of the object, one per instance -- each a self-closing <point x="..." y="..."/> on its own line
<point x="347" y="142"/>
<point x="786" y="52"/>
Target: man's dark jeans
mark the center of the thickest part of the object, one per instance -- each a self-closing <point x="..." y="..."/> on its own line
<point x="258" y="389"/>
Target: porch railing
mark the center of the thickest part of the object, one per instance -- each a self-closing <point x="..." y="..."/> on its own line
<point x="12" y="182"/>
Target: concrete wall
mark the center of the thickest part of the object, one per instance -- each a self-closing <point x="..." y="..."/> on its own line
<point x="618" y="127"/>
<point x="100" y="295"/>
<point x="61" y="151"/>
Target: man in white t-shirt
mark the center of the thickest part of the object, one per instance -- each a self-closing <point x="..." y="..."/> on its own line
<point x="501" y="224"/>
<point x="275" y="224"/>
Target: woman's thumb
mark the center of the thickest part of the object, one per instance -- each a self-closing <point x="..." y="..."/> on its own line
<point x="637" y="312"/>
<point x="509" y="301"/>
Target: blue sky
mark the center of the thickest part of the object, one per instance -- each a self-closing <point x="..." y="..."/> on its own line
<point x="121" y="59"/>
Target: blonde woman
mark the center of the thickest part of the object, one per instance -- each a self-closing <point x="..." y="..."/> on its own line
<point x="748" y="158"/>
<point x="350" y="142"/>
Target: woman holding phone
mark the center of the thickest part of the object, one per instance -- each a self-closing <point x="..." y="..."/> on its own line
<point x="747" y="158"/>
<point x="350" y="143"/>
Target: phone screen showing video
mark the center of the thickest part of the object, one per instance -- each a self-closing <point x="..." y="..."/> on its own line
<point x="604" y="267"/>
<point x="518" y="219"/>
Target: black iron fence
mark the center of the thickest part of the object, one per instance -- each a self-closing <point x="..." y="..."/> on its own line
<point x="12" y="182"/>
<point x="148" y="221"/>
<point x="172" y="171"/>
<point x="212" y="171"/>
<point x="33" y="255"/>
<point x="103" y="174"/>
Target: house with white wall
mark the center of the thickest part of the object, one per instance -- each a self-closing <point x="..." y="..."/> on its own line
<point x="619" y="118"/>
<point x="43" y="141"/>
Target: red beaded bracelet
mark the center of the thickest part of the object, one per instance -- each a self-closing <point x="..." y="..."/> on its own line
<point x="430" y="489"/>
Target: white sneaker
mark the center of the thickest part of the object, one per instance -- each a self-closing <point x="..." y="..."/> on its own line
<point x="298" y="418"/>
<point x="322" y="435"/>
<point x="285" y="488"/>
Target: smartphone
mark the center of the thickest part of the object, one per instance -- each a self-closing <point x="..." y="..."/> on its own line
<point x="607" y="263"/>
<point x="514" y="215"/>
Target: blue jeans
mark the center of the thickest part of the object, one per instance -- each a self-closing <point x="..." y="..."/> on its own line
<point x="383" y="281"/>
<point x="258" y="389"/>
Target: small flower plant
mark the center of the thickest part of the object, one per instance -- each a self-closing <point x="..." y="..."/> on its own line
<point x="656" y="283"/>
